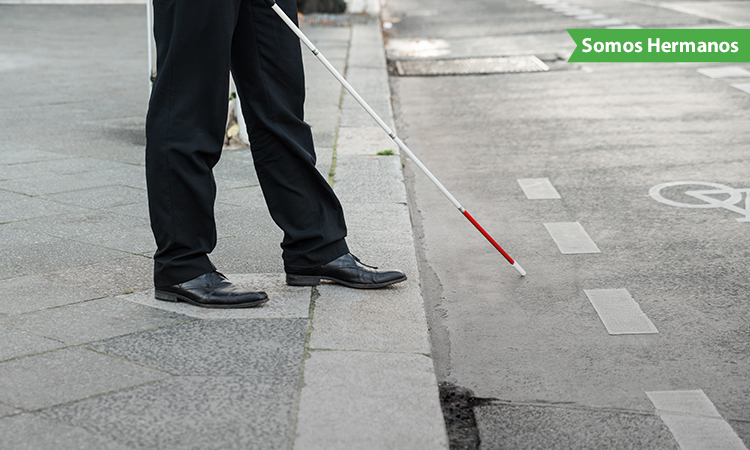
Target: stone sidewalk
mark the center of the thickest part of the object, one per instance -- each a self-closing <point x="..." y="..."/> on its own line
<point x="91" y="361"/>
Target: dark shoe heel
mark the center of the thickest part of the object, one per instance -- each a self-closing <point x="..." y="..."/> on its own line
<point x="302" y="280"/>
<point x="165" y="296"/>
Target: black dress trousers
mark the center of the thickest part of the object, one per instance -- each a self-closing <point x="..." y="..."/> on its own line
<point x="198" y="42"/>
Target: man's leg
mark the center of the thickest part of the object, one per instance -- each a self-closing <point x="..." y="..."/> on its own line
<point x="185" y="131"/>
<point x="267" y="65"/>
<point x="267" y="68"/>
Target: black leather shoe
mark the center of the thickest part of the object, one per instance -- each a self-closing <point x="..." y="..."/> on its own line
<point x="211" y="290"/>
<point x="346" y="270"/>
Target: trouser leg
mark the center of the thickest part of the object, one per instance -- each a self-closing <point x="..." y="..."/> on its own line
<point x="185" y="131"/>
<point x="267" y="68"/>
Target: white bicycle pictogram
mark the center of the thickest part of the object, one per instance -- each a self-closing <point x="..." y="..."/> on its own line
<point x="711" y="198"/>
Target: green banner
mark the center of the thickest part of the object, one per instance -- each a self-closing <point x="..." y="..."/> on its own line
<point x="659" y="45"/>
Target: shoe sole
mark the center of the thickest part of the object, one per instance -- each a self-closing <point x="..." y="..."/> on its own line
<point x="176" y="298"/>
<point x="309" y="280"/>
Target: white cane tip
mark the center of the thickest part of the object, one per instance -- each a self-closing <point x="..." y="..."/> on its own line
<point x="519" y="269"/>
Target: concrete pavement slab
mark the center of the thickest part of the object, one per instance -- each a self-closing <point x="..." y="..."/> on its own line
<point x="286" y="302"/>
<point x="31" y="432"/>
<point x="214" y="347"/>
<point x="6" y="410"/>
<point x="14" y="156"/>
<point x="33" y="293"/>
<point x="55" y="254"/>
<point x="244" y="197"/>
<point x="137" y="240"/>
<point x="197" y="413"/>
<point x="102" y="198"/>
<point x="71" y="225"/>
<point x="369" y="179"/>
<point x="113" y="277"/>
<point x="139" y="209"/>
<point x="243" y="254"/>
<point x="21" y="343"/>
<point x="369" y="400"/>
<point x="384" y="320"/>
<point x="67" y="375"/>
<point x="93" y="320"/>
<point x="364" y="141"/>
<point x="22" y="207"/>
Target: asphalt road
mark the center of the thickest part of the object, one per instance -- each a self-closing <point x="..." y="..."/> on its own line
<point x="545" y="368"/>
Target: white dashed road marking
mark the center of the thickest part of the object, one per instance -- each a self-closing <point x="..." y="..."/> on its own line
<point x="745" y="87"/>
<point x="619" y="312"/>
<point x="538" y="188"/>
<point x="694" y="421"/>
<point x="724" y="72"/>
<point x="571" y="238"/>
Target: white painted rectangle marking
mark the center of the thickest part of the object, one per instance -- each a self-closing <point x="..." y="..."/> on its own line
<point x="694" y="421"/>
<point x="745" y="87"/>
<point x="619" y="312"/>
<point x="571" y="238"/>
<point x="724" y="72"/>
<point x="538" y="188"/>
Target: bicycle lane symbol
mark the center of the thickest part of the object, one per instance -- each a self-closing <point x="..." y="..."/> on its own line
<point x="709" y="197"/>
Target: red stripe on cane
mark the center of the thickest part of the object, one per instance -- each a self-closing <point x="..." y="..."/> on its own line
<point x="487" y="235"/>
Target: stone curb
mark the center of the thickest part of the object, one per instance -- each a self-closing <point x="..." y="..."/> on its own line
<point x="369" y="382"/>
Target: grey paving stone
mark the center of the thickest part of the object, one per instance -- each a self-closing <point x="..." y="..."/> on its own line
<point x="369" y="401"/>
<point x="81" y="224"/>
<point x="66" y="166"/>
<point x="233" y="173"/>
<point x="245" y="197"/>
<point x="66" y="375"/>
<point x="186" y="413"/>
<point x="287" y="302"/>
<point x="4" y="274"/>
<point x="6" y="197"/>
<point x="55" y="254"/>
<point x="134" y="209"/>
<point x="24" y="207"/>
<point x="136" y="239"/>
<point x="249" y="254"/>
<point x="389" y="320"/>
<point x="20" y="343"/>
<point x="134" y="273"/>
<point x="525" y="426"/>
<point x="369" y="179"/>
<point x="53" y="183"/>
<point x="11" y="236"/>
<point x="32" y="293"/>
<point x="102" y="198"/>
<point x="6" y="410"/>
<point x="93" y="320"/>
<point x="28" y="155"/>
<point x="247" y="222"/>
<point x="30" y="432"/>
<point x="217" y="347"/>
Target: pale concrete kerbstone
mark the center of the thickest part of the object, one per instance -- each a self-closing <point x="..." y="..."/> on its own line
<point x="363" y="141"/>
<point x="369" y="401"/>
<point x="386" y="320"/>
<point x="380" y="234"/>
<point x="370" y="179"/>
<point x="286" y="302"/>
